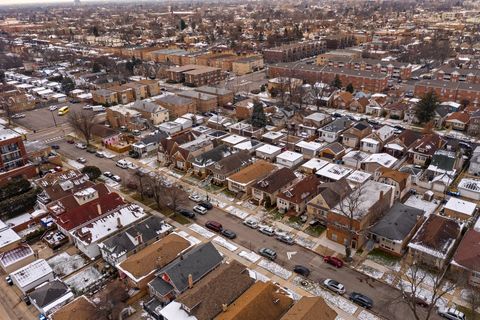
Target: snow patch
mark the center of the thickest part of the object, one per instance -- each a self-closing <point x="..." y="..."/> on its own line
<point x="250" y="256"/>
<point x="201" y="231"/>
<point x="224" y="243"/>
<point x="275" y="269"/>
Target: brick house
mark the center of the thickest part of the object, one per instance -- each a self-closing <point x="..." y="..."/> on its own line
<point x="243" y="180"/>
<point x="466" y="261"/>
<point x="267" y="189"/>
<point x="176" y="105"/>
<point x="329" y="195"/>
<point x="352" y="136"/>
<point x="425" y="148"/>
<point x="401" y="181"/>
<point x="293" y="201"/>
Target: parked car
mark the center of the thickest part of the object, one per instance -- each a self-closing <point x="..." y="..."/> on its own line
<point x="214" y="225"/>
<point x="418" y="300"/>
<point x="453" y="193"/>
<point x="285" y="239"/>
<point x="195" y="197"/>
<point x="207" y="205"/>
<point x="55" y="146"/>
<point x="301" y="270"/>
<point x="269" y="231"/>
<point x="108" y="174"/>
<point x="200" y="210"/>
<point x="42" y="317"/>
<point x="335" y="286"/>
<point x="99" y="154"/>
<point x="451" y="314"/>
<point x="87" y="107"/>
<point x="52" y="108"/>
<point x="27" y="301"/>
<point x="9" y="280"/>
<point x="122" y="163"/>
<point x="81" y="160"/>
<point x="251" y="223"/>
<point x="187" y="213"/>
<point x="18" y="115"/>
<point x="316" y="223"/>
<point x="268" y="253"/>
<point x="334" y="261"/>
<point x="91" y="150"/>
<point x="70" y="141"/>
<point x="361" y="299"/>
<point x="229" y="234"/>
<point x="116" y="178"/>
<point x="80" y="145"/>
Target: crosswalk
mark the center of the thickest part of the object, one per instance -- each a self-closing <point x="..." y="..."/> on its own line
<point x="53" y="139"/>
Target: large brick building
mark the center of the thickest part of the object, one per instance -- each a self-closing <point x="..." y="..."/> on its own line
<point x="361" y="80"/>
<point x="12" y="150"/>
<point x="194" y="75"/>
<point x="293" y="51"/>
<point x="450" y="91"/>
<point x="446" y="73"/>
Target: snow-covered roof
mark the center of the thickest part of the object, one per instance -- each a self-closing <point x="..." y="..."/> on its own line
<point x="472" y="185"/>
<point x="315" y="164"/>
<point x="290" y="156"/>
<point x="315" y="146"/>
<point x="273" y="135"/>
<point x="416" y="201"/>
<point x="370" y="140"/>
<point x="462" y="206"/>
<point x="31" y="272"/>
<point x="269" y="149"/>
<point x="334" y="171"/>
<point x="233" y="139"/>
<point x="13" y="256"/>
<point x="7" y="237"/>
<point x="8" y="134"/>
<point x="359" y="176"/>
<point x="174" y="311"/>
<point x="383" y="159"/>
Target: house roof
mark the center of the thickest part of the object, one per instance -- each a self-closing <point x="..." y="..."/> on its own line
<point x="436" y="236"/>
<point x="398" y="222"/>
<point x="31" y="272"/>
<point x="310" y="308"/>
<point x="444" y="160"/>
<point x="49" y="292"/>
<point x="335" y="147"/>
<point x="397" y="176"/>
<point x="220" y="287"/>
<point x="69" y="202"/>
<point x="409" y="137"/>
<point x="333" y="192"/>
<point x="302" y="190"/>
<point x="261" y="301"/>
<point x="258" y="170"/>
<point x="468" y="251"/>
<point x="198" y="262"/>
<point x="154" y="256"/>
<point x="337" y="125"/>
<point x="459" y="117"/>
<point x="81" y="307"/>
<point x="212" y="156"/>
<point x="461" y="206"/>
<point x="276" y="180"/>
<point x="429" y="143"/>
<point x="232" y="163"/>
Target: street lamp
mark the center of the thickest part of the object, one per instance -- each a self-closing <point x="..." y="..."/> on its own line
<point x="53" y="117"/>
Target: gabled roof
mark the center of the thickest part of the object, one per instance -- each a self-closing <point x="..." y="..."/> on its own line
<point x="459" y="117"/>
<point x="154" y="138"/>
<point x="212" y="156"/>
<point x="333" y="192"/>
<point x="397" y="176"/>
<point x="49" y="292"/>
<point x="310" y="308"/>
<point x="81" y="307"/>
<point x="337" y="125"/>
<point x="232" y="162"/>
<point x="335" y="147"/>
<point x="220" y="287"/>
<point x="429" y="143"/>
<point x="276" y="180"/>
<point x="302" y="191"/>
<point x="468" y="251"/>
<point x="258" y="170"/>
<point x="398" y="222"/>
<point x="409" y="137"/>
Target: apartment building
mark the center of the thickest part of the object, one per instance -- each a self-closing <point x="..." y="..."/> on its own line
<point x="194" y="75"/>
<point x="293" y="51"/>
<point x="12" y="150"/>
<point x="449" y="90"/>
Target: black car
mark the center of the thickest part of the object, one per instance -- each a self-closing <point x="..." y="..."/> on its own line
<point x="361" y="299"/>
<point x="207" y="205"/>
<point x="55" y="146"/>
<point x="301" y="270"/>
<point x="187" y="213"/>
<point x="91" y="150"/>
<point x="229" y="234"/>
<point x="27" y="301"/>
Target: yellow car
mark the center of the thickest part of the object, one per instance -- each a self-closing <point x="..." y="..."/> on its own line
<point x="63" y="110"/>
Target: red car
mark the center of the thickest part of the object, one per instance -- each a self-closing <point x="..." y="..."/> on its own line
<point x="333" y="261"/>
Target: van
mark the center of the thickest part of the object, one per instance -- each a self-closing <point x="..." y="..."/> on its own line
<point x="214" y="225"/>
<point x="63" y="110"/>
<point x="122" y="164"/>
<point x="98" y="108"/>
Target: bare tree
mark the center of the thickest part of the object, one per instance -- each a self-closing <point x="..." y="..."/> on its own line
<point x="7" y="104"/>
<point x="156" y="186"/>
<point x="82" y="122"/>
<point x="176" y="198"/>
<point x="473" y="299"/>
<point x="140" y="180"/>
<point x="165" y="195"/>
<point x="413" y="290"/>
<point x="113" y="300"/>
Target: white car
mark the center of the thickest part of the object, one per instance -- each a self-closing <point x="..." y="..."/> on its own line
<point x="18" y="115"/>
<point x="451" y="314"/>
<point x="87" y="107"/>
<point x="268" y="230"/>
<point x="200" y="210"/>
<point x="81" y="145"/>
<point x="195" y="198"/>
<point x="116" y="178"/>
<point x="52" y="108"/>
<point x="122" y="164"/>
<point x="335" y="286"/>
<point x="252" y="223"/>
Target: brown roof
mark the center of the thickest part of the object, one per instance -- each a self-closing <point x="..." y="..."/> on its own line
<point x="303" y="190"/>
<point x="333" y="192"/>
<point x="79" y="309"/>
<point x="409" y="137"/>
<point x="276" y="180"/>
<point x="397" y="176"/>
<point x="468" y="252"/>
<point x="69" y="202"/>
<point x="459" y="116"/>
<point x="155" y="256"/>
<point x="220" y="287"/>
<point x="258" y="170"/>
<point x="262" y="301"/>
<point x="335" y="147"/>
<point x="310" y="308"/>
<point x="429" y="143"/>
<point x="232" y="162"/>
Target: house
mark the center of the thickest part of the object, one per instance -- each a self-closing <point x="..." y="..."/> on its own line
<point x="375" y="141"/>
<point x="329" y="195"/>
<point x="352" y="136"/>
<point x="229" y="165"/>
<point x="457" y="121"/>
<point x="358" y="178"/>
<point x="123" y="244"/>
<point x="186" y="152"/>
<point x="397" y="110"/>
<point x="473" y="127"/>
<point x="105" y="97"/>
<point x="149" y="144"/>
<point x="474" y="165"/>
<point x="333" y="151"/>
<point x="443" y="164"/>
<point x="245" y="129"/>
<point x="50" y="296"/>
<point x="401" y="181"/>
<point x="374" y="108"/>
<point x="242" y="181"/>
<point x="215" y="291"/>
<point x="170" y="146"/>
<point x="460" y="209"/>
<point x="341" y="100"/>
<point x="399" y="146"/>
<point x="176" y="105"/>
<point x="32" y="275"/>
<point x="88" y="237"/>
<point x="378" y="160"/>
<point x="140" y="90"/>
<point x="333" y="172"/>
<point x="289" y="159"/>
<point x="310" y="308"/>
<point x="186" y="270"/>
<point x="374" y="199"/>
<point x="272" y="137"/>
<point x="16" y="258"/>
<point x="263" y="300"/>
<point x="268" y="152"/>
<point x="354" y="158"/>
<point x="107" y="136"/>
<point x="201" y="163"/>
<point x="9" y="239"/>
<point x="139" y="268"/>
<point x="424" y="149"/>
<point x="293" y="201"/>
<point x="332" y="131"/>
<point x="317" y="119"/>
<point x="267" y="189"/>
<point x="434" y="242"/>
<point x="395" y="229"/>
<point x="151" y="111"/>
<point x="359" y="105"/>
<point x="466" y="261"/>
<point x="83" y="309"/>
<point x="313" y="165"/>
<point x="309" y="149"/>
<point x="250" y="146"/>
<point x="469" y="188"/>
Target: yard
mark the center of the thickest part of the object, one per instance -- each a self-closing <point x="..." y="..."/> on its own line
<point x="315" y="231"/>
<point x="384" y="258"/>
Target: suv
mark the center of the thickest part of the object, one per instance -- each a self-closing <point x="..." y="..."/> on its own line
<point x="335" y="286"/>
<point x="207" y="205"/>
<point x="302" y="270"/>
<point x="122" y="164"/>
<point x="187" y="213"/>
<point x="214" y="225"/>
<point x="200" y="210"/>
<point x="333" y="261"/>
<point x="285" y="238"/>
<point x="268" y="253"/>
<point x="451" y="313"/>
<point x="361" y="300"/>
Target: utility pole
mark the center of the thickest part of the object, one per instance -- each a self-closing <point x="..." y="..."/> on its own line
<point x="53" y="117"/>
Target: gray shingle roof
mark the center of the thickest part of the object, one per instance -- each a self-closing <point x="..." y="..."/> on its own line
<point x="398" y="222"/>
<point x="49" y="292"/>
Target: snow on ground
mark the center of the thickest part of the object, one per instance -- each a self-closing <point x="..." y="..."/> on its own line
<point x="64" y="264"/>
<point x="250" y="256"/>
<point x="258" y="276"/>
<point x="338" y="318"/>
<point x="75" y="164"/>
<point x="365" y="315"/>
<point x="236" y="212"/>
<point x="109" y="155"/>
<point x="275" y="269"/>
<point x="389" y="278"/>
<point x="372" y="272"/>
<point x="201" y="231"/>
<point x="224" y="196"/>
<point x="305" y="242"/>
<point x="426" y="277"/>
<point x="84" y="278"/>
<point x="224" y="243"/>
<point x="190" y="238"/>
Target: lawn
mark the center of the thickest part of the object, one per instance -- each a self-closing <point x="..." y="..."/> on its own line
<point x="179" y="218"/>
<point x="276" y="215"/>
<point x="315" y="231"/>
<point x="383" y="258"/>
<point x="295" y="222"/>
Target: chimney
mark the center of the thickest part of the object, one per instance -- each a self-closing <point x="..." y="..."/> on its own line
<point x="99" y="209"/>
<point x="381" y="196"/>
<point x="224" y="307"/>
<point x="190" y="281"/>
<point x="119" y="223"/>
<point x="139" y="238"/>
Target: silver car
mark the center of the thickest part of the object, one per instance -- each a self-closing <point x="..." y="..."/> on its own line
<point x="335" y="286"/>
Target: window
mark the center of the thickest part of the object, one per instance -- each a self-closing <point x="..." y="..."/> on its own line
<point x="334" y="236"/>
